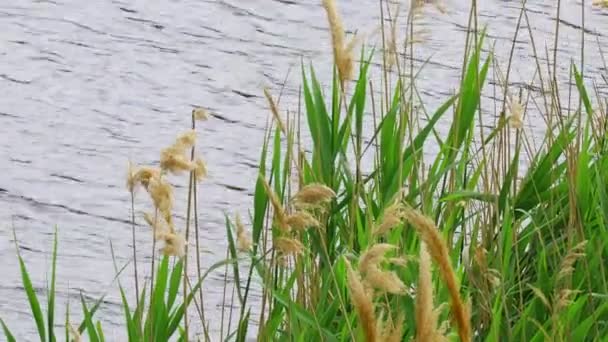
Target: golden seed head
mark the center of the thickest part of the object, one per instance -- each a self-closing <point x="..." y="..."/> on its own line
<point x="141" y="176"/>
<point x="186" y="139"/>
<point x="275" y="111"/>
<point x="172" y="159"/>
<point x="567" y="265"/>
<point x="426" y="320"/>
<point x="200" y="114"/>
<point x="393" y="332"/>
<point x="342" y="51"/>
<point x="161" y="193"/>
<point x="175" y="244"/>
<point x="158" y="224"/>
<point x="288" y="246"/>
<point x="362" y="301"/>
<point x="243" y="240"/>
<point x="428" y="232"/>
<point x="392" y="217"/>
<point x="279" y="211"/>
<point x="302" y="220"/>
<point x="516" y="111"/>
<point x="200" y="170"/>
<point x="374" y="275"/>
<point x="314" y="194"/>
<point x="74" y="333"/>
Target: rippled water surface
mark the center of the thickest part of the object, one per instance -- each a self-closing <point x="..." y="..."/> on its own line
<point x="88" y="85"/>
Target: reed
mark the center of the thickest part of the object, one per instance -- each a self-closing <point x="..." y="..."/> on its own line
<point x="498" y="236"/>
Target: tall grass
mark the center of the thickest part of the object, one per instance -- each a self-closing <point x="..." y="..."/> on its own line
<point x="488" y="239"/>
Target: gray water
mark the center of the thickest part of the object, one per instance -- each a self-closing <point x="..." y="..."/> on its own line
<point x="88" y="85"/>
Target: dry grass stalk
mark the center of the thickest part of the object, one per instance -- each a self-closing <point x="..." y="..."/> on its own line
<point x="374" y="276"/>
<point x="362" y="301"/>
<point x="314" y="194"/>
<point x="200" y="114"/>
<point x="343" y="57"/>
<point x="438" y="250"/>
<point x="275" y="111"/>
<point x="243" y="240"/>
<point x="302" y="220"/>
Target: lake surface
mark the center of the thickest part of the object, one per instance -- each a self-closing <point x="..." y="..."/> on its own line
<point x="88" y="85"/>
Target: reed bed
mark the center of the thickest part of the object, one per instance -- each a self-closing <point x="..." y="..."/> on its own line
<point x="487" y="240"/>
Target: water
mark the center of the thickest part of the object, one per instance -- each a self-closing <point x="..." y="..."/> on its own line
<point x="88" y="86"/>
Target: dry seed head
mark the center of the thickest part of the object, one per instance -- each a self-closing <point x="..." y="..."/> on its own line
<point x="243" y="240"/>
<point x="288" y="246"/>
<point x="279" y="211"/>
<point x="374" y="276"/>
<point x="141" y="176"/>
<point x="186" y="139"/>
<point x="567" y="265"/>
<point x="362" y="301"/>
<point x="342" y="53"/>
<point x="74" y="333"/>
<point x="162" y="196"/>
<point x="200" y="169"/>
<point x="538" y="293"/>
<point x="564" y="299"/>
<point x="175" y="244"/>
<point x="393" y="332"/>
<point x="158" y="224"/>
<point x="426" y="316"/>
<point x="438" y="250"/>
<point x="516" y="111"/>
<point x="275" y="111"/>
<point x="600" y="3"/>
<point x="302" y="220"/>
<point x="314" y="194"/>
<point x="174" y="160"/>
<point x="200" y="114"/>
<point x="392" y="217"/>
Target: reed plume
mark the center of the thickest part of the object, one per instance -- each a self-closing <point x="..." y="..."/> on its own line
<point x="275" y="111"/>
<point x="343" y="57"/>
<point x="374" y="276"/>
<point x="175" y="244"/>
<point x="288" y="246"/>
<point x="362" y="301"/>
<point x="438" y="250"/>
<point x="302" y="220"/>
<point x="279" y="212"/>
<point x="393" y="331"/>
<point x="200" y="169"/>
<point x="161" y="193"/>
<point x="426" y="314"/>
<point x="314" y="194"/>
<point x="200" y="114"/>
<point x="243" y="240"/>
<point x="137" y="176"/>
<point x="392" y="217"/>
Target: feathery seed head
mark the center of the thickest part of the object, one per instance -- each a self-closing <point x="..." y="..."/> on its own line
<point x="342" y="52"/>
<point x="314" y="194"/>
<point x="141" y="176"/>
<point x="175" y="244"/>
<point x="200" y="169"/>
<point x="362" y="301"/>
<point x="275" y="111"/>
<point x="374" y="275"/>
<point x="186" y="139"/>
<point x="438" y="250"/>
<point x="567" y="265"/>
<point x="288" y="246"/>
<point x="279" y="211"/>
<point x="161" y="193"/>
<point x="173" y="159"/>
<point x="242" y="238"/>
<point x="200" y="114"/>
<point x="392" y="217"/>
<point x="302" y="220"/>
